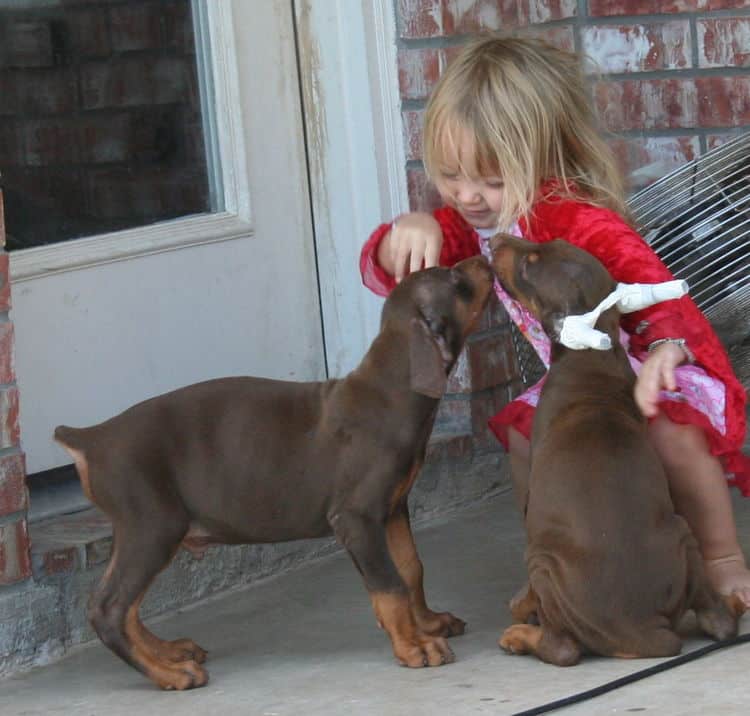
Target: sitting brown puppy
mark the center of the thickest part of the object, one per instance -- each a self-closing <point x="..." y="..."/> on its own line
<point x="612" y="568"/>
<point x="247" y="460"/>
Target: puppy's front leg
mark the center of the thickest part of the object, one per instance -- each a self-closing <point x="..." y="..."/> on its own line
<point x="403" y="551"/>
<point x="365" y="540"/>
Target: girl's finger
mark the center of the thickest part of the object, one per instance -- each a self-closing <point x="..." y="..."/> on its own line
<point x="417" y="254"/>
<point x="431" y="254"/>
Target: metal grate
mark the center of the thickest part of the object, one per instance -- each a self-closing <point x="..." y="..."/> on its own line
<point x="697" y="219"/>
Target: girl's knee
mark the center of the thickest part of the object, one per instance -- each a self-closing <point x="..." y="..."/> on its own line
<point x="676" y="443"/>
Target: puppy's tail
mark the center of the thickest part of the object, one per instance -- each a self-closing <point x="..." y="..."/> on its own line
<point x="69" y="437"/>
<point x="73" y="441"/>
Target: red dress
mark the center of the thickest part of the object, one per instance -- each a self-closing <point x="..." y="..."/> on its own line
<point x="629" y="259"/>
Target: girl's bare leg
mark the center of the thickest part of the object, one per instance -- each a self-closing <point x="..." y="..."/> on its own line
<point x="701" y="495"/>
<point x="518" y="449"/>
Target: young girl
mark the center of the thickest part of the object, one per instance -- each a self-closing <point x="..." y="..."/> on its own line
<point x="511" y="145"/>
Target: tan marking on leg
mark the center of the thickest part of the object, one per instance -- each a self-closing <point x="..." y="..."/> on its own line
<point x="404" y="555"/>
<point x="169" y="675"/>
<point x="409" y="646"/>
<point x="524" y="604"/>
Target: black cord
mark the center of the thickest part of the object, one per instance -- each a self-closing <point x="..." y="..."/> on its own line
<point x="630" y="678"/>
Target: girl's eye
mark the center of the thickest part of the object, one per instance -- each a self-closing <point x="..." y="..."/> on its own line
<point x="448" y="175"/>
<point x="495" y="183"/>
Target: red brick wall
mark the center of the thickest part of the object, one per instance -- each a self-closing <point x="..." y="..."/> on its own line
<point x="14" y="539"/>
<point x="673" y="76"/>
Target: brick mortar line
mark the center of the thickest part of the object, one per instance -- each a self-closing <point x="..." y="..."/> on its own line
<point x="11" y="518"/>
<point x="687" y="73"/>
<point x="12" y="450"/>
<point x="581" y="19"/>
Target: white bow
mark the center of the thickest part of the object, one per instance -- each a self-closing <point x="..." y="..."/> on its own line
<point x="578" y="332"/>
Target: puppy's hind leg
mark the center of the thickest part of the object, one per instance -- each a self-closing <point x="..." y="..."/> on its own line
<point x="551" y="646"/>
<point x="141" y="549"/>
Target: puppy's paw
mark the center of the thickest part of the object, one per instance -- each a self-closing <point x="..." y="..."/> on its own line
<point x="441" y="624"/>
<point x="514" y="640"/>
<point x="426" y="651"/>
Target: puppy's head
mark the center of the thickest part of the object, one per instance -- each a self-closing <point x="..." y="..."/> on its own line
<point x="437" y="308"/>
<point x="552" y="280"/>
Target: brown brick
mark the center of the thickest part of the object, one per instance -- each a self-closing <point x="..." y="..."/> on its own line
<point x="638" y="48"/>
<point x="7" y="372"/>
<point x="136" y="26"/>
<point x="724" y="42"/>
<point x="534" y="12"/>
<point x="494" y="315"/>
<point x="4" y="276"/>
<point x="40" y="91"/>
<point x="60" y="561"/>
<point x="86" y="32"/>
<point x="13" y="493"/>
<point x="177" y="26"/>
<point x="15" y="564"/>
<point x="27" y="43"/>
<point x="483" y="406"/>
<point x="492" y="360"/>
<point x="464" y="18"/>
<point x="413" y="121"/>
<point x="9" y="430"/>
<point x="107" y="138"/>
<point x="137" y="81"/>
<point x="51" y="141"/>
<point x="12" y="146"/>
<point x="556" y="35"/>
<point x="459" y="380"/>
<point x="420" y="18"/>
<point x="723" y="101"/>
<point x="418" y="71"/>
<point x="647" y="104"/>
<point x="423" y="196"/>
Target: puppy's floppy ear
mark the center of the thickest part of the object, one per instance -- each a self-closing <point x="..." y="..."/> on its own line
<point x="429" y="358"/>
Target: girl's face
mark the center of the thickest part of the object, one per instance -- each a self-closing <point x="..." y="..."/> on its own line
<point x="477" y="198"/>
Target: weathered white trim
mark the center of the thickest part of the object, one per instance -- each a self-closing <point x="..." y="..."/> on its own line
<point x="226" y="147"/>
<point x="355" y="156"/>
<point x="382" y="56"/>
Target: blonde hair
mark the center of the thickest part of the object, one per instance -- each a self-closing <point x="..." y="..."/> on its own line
<point x="524" y="104"/>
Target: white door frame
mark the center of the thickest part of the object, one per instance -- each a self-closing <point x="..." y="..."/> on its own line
<point x="355" y="152"/>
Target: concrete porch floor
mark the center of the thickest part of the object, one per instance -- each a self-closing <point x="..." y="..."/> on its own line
<point x="305" y="642"/>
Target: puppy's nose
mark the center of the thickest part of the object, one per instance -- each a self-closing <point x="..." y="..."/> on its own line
<point x="496" y="242"/>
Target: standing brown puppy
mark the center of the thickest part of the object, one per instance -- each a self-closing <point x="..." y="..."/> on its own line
<point x="612" y="568"/>
<point x="245" y="460"/>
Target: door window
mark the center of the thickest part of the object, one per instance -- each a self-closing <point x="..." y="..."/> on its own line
<point x="101" y="125"/>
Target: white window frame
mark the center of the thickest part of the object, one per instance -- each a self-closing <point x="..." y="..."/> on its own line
<point x="225" y="141"/>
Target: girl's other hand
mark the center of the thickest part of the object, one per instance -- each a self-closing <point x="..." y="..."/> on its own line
<point x="414" y="242"/>
<point x="657" y="373"/>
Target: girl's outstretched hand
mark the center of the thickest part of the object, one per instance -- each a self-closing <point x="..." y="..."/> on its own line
<point x="657" y="373"/>
<point x="413" y="243"/>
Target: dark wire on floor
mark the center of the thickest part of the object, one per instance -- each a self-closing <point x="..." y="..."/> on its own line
<point x="630" y="678"/>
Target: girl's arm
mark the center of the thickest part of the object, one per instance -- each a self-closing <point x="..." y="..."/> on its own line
<point x="458" y="242"/>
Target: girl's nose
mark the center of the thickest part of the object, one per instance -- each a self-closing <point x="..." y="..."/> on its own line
<point x="467" y="193"/>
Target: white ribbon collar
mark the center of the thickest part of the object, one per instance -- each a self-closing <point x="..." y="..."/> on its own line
<point x="578" y="332"/>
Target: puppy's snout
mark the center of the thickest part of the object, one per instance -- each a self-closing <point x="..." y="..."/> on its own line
<point x="496" y="242"/>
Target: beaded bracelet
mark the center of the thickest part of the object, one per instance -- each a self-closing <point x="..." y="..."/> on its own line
<point x="677" y="341"/>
